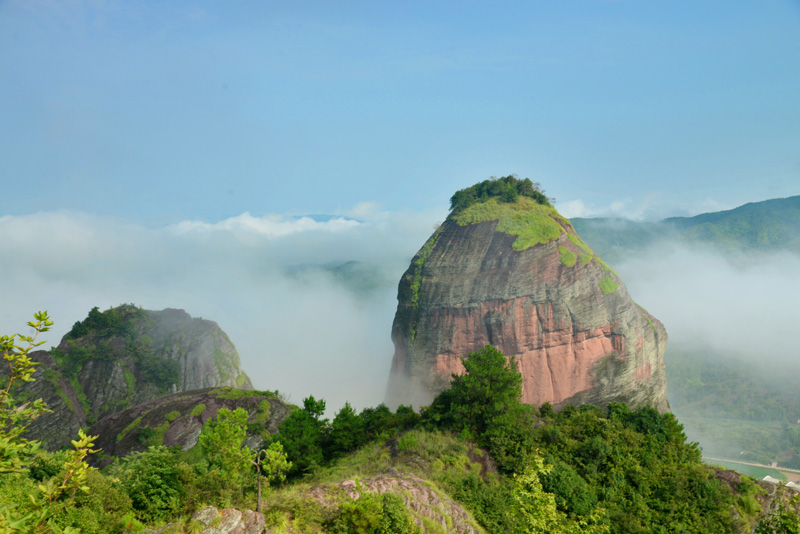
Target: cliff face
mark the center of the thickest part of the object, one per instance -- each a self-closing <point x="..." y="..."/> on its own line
<point x="517" y="276"/>
<point x="123" y="357"/>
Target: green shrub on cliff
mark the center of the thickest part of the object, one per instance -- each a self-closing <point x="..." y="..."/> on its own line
<point x="505" y="189"/>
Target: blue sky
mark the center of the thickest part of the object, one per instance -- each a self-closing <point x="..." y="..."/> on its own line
<point x="158" y="112"/>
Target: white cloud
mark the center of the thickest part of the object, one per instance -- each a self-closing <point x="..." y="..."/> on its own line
<point x="270" y="226"/>
<point x="301" y="335"/>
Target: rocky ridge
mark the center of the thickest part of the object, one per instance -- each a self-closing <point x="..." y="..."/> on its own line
<point x="177" y="420"/>
<point x="122" y="357"/>
<point x="516" y="275"/>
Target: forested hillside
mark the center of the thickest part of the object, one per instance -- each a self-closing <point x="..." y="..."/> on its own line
<point x="476" y="460"/>
<point x="757" y="226"/>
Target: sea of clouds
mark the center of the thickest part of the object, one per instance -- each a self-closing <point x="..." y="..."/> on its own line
<point x="311" y="334"/>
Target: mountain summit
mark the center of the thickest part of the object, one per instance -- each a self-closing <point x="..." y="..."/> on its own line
<point x="507" y="269"/>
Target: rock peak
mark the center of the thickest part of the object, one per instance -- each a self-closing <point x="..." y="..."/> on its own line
<point x="514" y="273"/>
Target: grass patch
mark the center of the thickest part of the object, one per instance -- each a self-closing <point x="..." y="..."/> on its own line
<point x="607" y="285"/>
<point x="263" y="412"/>
<point x="197" y="410"/>
<point x="83" y="399"/>
<point x="229" y="393"/>
<point x="128" y="428"/>
<point x="531" y="222"/>
<point x="171" y="416"/>
<point x="585" y="258"/>
<point x="568" y="258"/>
<point x="130" y="380"/>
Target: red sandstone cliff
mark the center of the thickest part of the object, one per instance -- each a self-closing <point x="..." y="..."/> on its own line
<point x="566" y="316"/>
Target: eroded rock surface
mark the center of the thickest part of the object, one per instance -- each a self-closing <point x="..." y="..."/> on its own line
<point x="229" y="521"/>
<point x="420" y="497"/>
<point x="565" y="316"/>
<point x="177" y="420"/>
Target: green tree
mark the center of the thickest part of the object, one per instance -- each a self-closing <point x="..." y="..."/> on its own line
<point x="489" y="387"/>
<point x="535" y="510"/>
<point x="222" y="442"/>
<point x="17" y="453"/>
<point x="346" y="432"/>
<point x="273" y="464"/>
<point x="303" y="435"/>
<point x="153" y="481"/>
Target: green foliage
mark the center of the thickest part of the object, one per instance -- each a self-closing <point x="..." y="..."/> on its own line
<point x="153" y="480"/>
<point x="573" y="495"/>
<point x="568" y="258"/>
<point x="484" y="403"/>
<point x="505" y="189"/>
<point x="53" y="494"/>
<point x="171" y="416"/>
<point x="92" y="338"/>
<point x="303" y="435"/>
<point x="197" y="410"/>
<point x="532" y="223"/>
<point x="372" y="513"/>
<point x="273" y="463"/>
<point x="15" y="450"/>
<point x="222" y="442"/>
<point x="489" y="387"/>
<point x="607" y="285"/>
<point x="229" y="393"/>
<point x="535" y="509"/>
<point x="99" y="510"/>
<point x="785" y="520"/>
<point x="346" y="432"/>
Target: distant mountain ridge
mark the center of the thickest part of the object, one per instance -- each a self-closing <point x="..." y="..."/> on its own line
<point x="769" y="224"/>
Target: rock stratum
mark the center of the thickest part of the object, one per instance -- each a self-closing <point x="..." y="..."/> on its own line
<point x="123" y="357"/>
<point x="517" y="276"/>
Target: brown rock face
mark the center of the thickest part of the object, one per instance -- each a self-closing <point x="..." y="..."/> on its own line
<point x="576" y="334"/>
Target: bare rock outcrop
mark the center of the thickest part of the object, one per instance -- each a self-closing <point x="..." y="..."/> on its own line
<point x="421" y="497"/>
<point x="516" y="275"/>
<point x="229" y="521"/>
<point x="177" y="420"/>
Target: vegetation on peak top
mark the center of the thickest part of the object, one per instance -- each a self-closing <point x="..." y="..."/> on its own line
<point x="505" y="189"/>
<point x="113" y="321"/>
<point x="531" y="222"/>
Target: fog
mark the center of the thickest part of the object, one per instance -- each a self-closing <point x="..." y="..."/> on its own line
<point x="303" y="332"/>
<point x="740" y="305"/>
